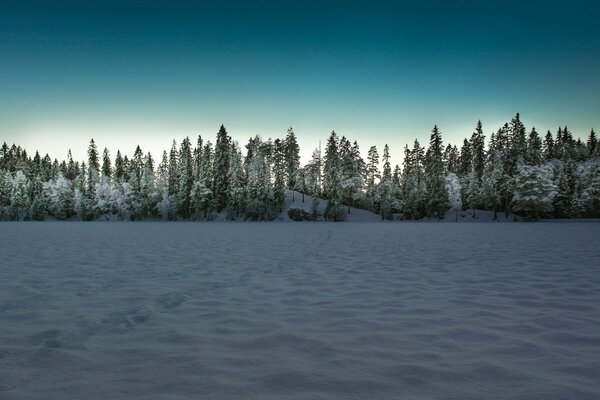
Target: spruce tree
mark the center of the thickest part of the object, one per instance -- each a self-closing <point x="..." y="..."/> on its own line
<point x="186" y="179"/>
<point x="592" y="144"/>
<point x="477" y="148"/>
<point x="533" y="153"/>
<point x="279" y="174"/>
<point x="548" y="147"/>
<point x="533" y="192"/>
<point x="437" y="204"/>
<point x="332" y="180"/>
<point x="292" y="158"/>
<point x="373" y="176"/>
<point x="385" y="187"/>
<point x="106" y="165"/>
<point x="119" y="172"/>
<point x="221" y="168"/>
<point x="236" y="198"/>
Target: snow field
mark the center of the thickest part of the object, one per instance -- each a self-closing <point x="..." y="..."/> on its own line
<point x="299" y="310"/>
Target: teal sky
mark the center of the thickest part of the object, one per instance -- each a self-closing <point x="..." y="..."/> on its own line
<point x="378" y="72"/>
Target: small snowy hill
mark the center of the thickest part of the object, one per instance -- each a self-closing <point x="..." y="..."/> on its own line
<point x="294" y="200"/>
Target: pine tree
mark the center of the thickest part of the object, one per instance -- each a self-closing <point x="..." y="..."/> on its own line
<point x="332" y="180"/>
<point x="518" y="144"/>
<point x="71" y="173"/>
<point x="259" y="188"/>
<point x="221" y="168"/>
<point x="385" y="187"/>
<point x="590" y="195"/>
<point x="148" y="197"/>
<point x="186" y="179"/>
<point x="313" y="176"/>
<point x="477" y="147"/>
<point x="236" y="198"/>
<point x="292" y="158"/>
<point x="592" y="144"/>
<point x="533" y="155"/>
<point x="198" y="158"/>
<point x="173" y="182"/>
<point x="353" y="173"/>
<point x="106" y="165"/>
<point x="59" y="193"/>
<point x="163" y="205"/>
<point x="548" y="147"/>
<point x="454" y="190"/>
<point x="373" y="176"/>
<point x="279" y="173"/>
<point x="119" y="173"/>
<point x="533" y="192"/>
<point x="39" y="204"/>
<point x="465" y="160"/>
<point x="413" y="182"/>
<point x="492" y="182"/>
<point x="19" y="198"/>
<point x="435" y="179"/>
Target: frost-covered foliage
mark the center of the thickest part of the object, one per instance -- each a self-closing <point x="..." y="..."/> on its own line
<point x="454" y="188"/>
<point x="533" y="191"/>
<point x="519" y="172"/>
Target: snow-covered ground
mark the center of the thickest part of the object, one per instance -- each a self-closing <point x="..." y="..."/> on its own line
<point x="299" y="311"/>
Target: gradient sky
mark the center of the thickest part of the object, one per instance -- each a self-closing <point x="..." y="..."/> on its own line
<point x="143" y="72"/>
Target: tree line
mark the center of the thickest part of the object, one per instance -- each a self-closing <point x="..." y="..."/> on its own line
<point x="554" y="176"/>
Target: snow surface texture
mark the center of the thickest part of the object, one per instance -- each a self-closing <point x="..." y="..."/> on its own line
<point x="299" y="311"/>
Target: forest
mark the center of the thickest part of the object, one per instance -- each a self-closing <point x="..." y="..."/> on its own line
<point x="518" y="172"/>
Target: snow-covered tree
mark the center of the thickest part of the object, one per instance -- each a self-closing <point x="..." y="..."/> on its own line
<point x="236" y="197"/>
<point x="292" y="158"/>
<point x="434" y="177"/>
<point x="19" y="198"/>
<point x="533" y="192"/>
<point x="332" y="180"/>
<point x="221" y="168"/>
<point x="59" y="193"/>
<point x="454" y="189"/>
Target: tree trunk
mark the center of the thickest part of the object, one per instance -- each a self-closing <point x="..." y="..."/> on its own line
<point x="303" y="197"/>
<point x="348" y="209"/>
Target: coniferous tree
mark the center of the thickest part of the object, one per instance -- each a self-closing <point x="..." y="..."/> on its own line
<point x="332" y="180"/>
<point x="533" y="153"/>
<point x="19" y="198"/>
<point x="373" y="176"/>
<point x="236" y="198"/>
<point x="119" y="173"/>
<point x="148" y="197"/>
<point x="221" y="168"/>
<point x="518" y="144"/>
<point x="279" y="173"/>
<point x="186" y="179"/>
<point x="592" y="144"/>
<point x="198" y="158"/>
<point x="565" y="189"/>
<point x="39" y="204"/>
<point x="533" y="192"/>
<point x="477" y="147"/>
<point x="292" y="158"/>
<point x="385" y="187"/>
<point x="173" y="183"/>
<point x="590" y="195"/>
<point x="437" y="204"/>
<point x="548" y="147"/>
<point x="106" y="165"/>
<point x="492" y="182"/>
<point x="163" y="204"/>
